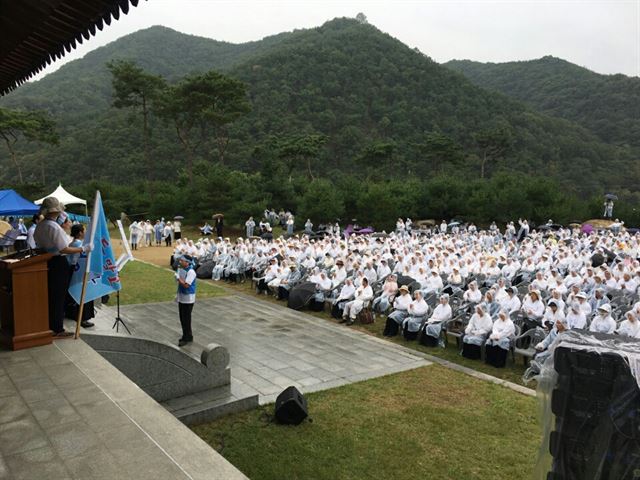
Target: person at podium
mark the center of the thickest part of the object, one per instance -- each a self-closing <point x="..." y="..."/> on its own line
<point x="50" y="237"/>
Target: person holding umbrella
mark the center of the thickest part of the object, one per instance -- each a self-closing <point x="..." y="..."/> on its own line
<point x="177" y="227"/>
<point x="219" y="224"/>
<point x="608" y="205"/>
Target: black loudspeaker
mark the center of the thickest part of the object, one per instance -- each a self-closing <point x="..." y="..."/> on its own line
<point x="291" y="407"/>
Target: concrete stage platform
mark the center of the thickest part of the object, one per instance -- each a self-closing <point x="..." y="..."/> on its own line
<point x="271" y="346"/>
<point x="66" y="413"/>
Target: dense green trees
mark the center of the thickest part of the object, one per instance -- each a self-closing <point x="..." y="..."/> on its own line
<point x="33" y="126"/>
<point x="340" y="121"/>
<point x="382" y="109"/>
<point x="607" y="105"/>
<point x="136" y="89"/>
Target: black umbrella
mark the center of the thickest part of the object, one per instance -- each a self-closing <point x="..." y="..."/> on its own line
<point x="413" y="286"/>
<point x="597" y="259"/>
<point x="611" y="196"/>
<point x="300" y="295"/>
<point x="404" y="280"/>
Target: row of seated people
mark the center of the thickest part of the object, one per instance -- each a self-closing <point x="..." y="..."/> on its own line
<point x="493" y="321"/>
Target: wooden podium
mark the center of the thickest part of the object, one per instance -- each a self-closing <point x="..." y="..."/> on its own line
<point x="24" y="301"/>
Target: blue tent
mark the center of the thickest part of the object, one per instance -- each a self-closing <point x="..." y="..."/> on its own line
<point x="13" y="204"/>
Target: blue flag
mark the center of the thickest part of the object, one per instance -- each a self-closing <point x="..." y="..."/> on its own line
<point x="99" y="264"/>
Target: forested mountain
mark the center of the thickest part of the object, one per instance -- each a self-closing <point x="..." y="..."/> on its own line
<point x="386" y="111"/>
<point x="607" y="105"/>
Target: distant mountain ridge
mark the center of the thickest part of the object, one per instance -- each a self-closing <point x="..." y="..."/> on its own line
<point x="607" y="105"/>
<point x="347" y="80"/>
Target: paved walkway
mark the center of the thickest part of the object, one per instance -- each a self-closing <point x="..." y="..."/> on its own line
<point x="66" y="413"/>
<point x="271" y="346"/>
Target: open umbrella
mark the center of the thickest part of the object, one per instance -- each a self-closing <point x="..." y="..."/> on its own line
<point x="404" y="280"/>
<point x="300" y="295"/>
<point x="5" y="227"/>
<point x="610" y="196"/>
<point x="217" y="215"/>
<point x="454" y="224"/>
<point x="587" y="228"/>
<point x="597" y="259"/>
<point x="178" y="217"/>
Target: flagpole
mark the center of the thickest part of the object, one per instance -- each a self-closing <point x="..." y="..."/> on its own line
<point x="92" y="235"/>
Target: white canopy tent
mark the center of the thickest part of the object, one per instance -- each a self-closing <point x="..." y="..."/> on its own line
<point x="65" y="197"/>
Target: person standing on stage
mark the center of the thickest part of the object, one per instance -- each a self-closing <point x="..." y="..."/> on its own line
<point x="50" y="236"/>
<point x="186" y="297"/>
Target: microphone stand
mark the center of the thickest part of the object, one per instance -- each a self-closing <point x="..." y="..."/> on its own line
<point x="119" y="320"/>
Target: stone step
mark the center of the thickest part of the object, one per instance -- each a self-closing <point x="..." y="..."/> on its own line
<point x="206" y="406"/>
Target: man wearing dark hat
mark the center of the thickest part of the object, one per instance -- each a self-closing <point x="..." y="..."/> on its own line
<point x="50" y="236"/>
<point x="186" y="297"/>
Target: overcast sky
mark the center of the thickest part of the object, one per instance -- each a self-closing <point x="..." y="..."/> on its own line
<point x="602" y="35"/>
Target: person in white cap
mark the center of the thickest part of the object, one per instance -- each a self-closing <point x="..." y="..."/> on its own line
<point x="630" y="326"/>
<point x="584" y="305"/>
<point x="50" y="236"/>
<point x="603" y="322"/>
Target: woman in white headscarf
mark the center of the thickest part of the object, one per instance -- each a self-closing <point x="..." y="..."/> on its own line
<point x="417" y="310"/>
<point x="476" y="332"/>
<point x="629" y="327"/>
<point x="499" y="342"/>
<point x="433" y="328"/>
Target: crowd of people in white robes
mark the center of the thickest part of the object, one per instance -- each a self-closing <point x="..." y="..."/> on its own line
<point x="500" y="283"/>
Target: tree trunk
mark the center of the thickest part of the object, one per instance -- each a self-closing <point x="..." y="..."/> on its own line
<point x="14" y="158"/>
<point x="146" y="140"/>
<point x="189" y="153"/>
<point x="222" y="140"/>
<point x="311" y="177"/>
<point x="482" y="164"/>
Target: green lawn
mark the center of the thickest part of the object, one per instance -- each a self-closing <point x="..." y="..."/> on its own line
<point x="145" y="283"/>
<point x="428" y="423"/>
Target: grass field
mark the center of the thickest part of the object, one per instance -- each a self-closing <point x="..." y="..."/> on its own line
<point x="144" y="283"/>
<point x="428" y="423"/>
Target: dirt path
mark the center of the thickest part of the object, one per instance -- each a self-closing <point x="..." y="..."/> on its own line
<point x="156" y="255"/>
